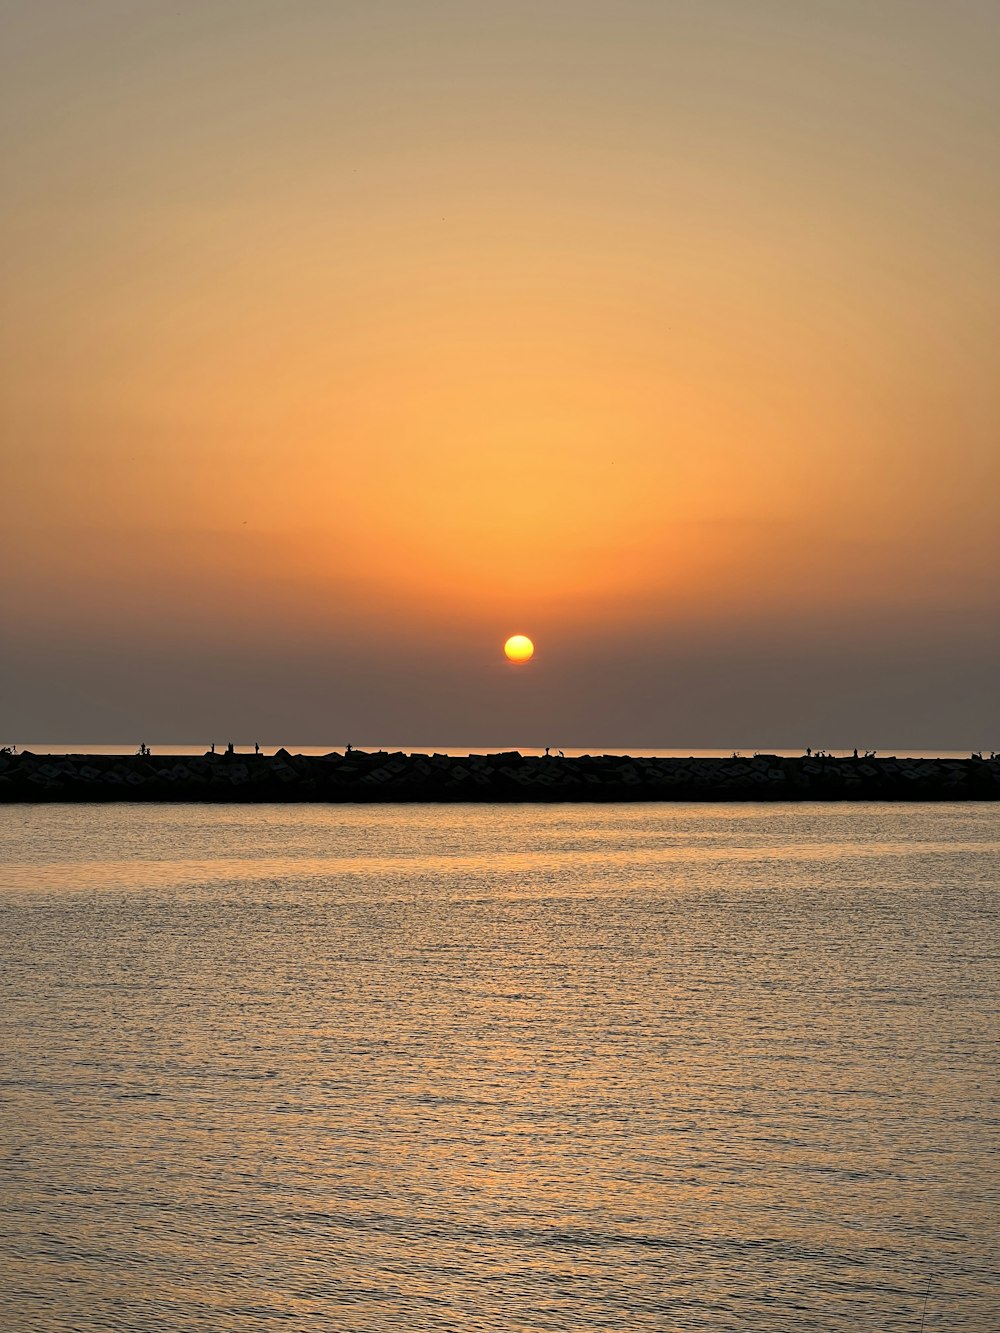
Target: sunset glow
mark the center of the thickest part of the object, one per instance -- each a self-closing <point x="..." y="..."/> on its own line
<point x="499" y="645"/>
<point x="401" y="324"/>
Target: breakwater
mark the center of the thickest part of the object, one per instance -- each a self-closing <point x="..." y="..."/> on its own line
<point x="381" y="776"/>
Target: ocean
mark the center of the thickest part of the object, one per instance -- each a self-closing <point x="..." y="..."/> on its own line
<point x="500" y="1068"/>
<point x="242" y="747"/>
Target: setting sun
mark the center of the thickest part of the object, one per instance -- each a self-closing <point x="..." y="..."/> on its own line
<point x="519" y="648"/>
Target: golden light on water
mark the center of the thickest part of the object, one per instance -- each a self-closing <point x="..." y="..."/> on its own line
<point x="519" y="648"/>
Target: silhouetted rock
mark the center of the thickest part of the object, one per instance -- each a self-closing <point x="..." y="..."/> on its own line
<point x="504" y="776"/>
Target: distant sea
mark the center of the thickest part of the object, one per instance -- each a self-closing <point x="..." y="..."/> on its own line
<point x="169" y="747"/>
<point x="518" y="1069"/>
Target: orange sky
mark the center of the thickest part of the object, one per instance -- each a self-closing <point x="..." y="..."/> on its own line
<point x="397" y="327"/>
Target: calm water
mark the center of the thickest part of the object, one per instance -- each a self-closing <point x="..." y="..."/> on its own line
<point x="169" y="747"/>
<point x="498" y="1068"/>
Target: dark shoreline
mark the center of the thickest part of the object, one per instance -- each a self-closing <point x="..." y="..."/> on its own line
<point x="365" y="777"/>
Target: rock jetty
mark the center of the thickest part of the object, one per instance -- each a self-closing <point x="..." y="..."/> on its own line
<point x="381" y="776"/>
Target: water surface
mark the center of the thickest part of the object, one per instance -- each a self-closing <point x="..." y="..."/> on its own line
<point x="498" y="1068"/>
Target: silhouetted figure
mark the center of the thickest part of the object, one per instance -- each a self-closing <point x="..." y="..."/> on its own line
<point x="143" y="748"/>
<point x="808" y="751"/>
<point x="213" y="747"/>
<point x="546" y="752"/>
<point x="561" y="755"/>
<point x="349" y="749"/>
<point x="855" y="752"/>
<point x="230" y="748"/>
<point x="256" y="748"/>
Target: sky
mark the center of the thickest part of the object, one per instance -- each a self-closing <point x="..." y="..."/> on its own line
<point x="339" y="341"/>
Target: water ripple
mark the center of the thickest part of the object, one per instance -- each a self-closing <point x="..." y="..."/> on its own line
<point x="520" y="1069"/>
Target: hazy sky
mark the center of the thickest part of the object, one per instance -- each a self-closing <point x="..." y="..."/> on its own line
<point x="341" y="340"/>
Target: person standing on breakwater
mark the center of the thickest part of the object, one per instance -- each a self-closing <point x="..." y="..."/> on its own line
<point x="256" y="748"/>
<point x="230" y="748"/>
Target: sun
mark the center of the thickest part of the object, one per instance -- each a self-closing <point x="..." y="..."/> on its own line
<point x="519" y="648"/>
